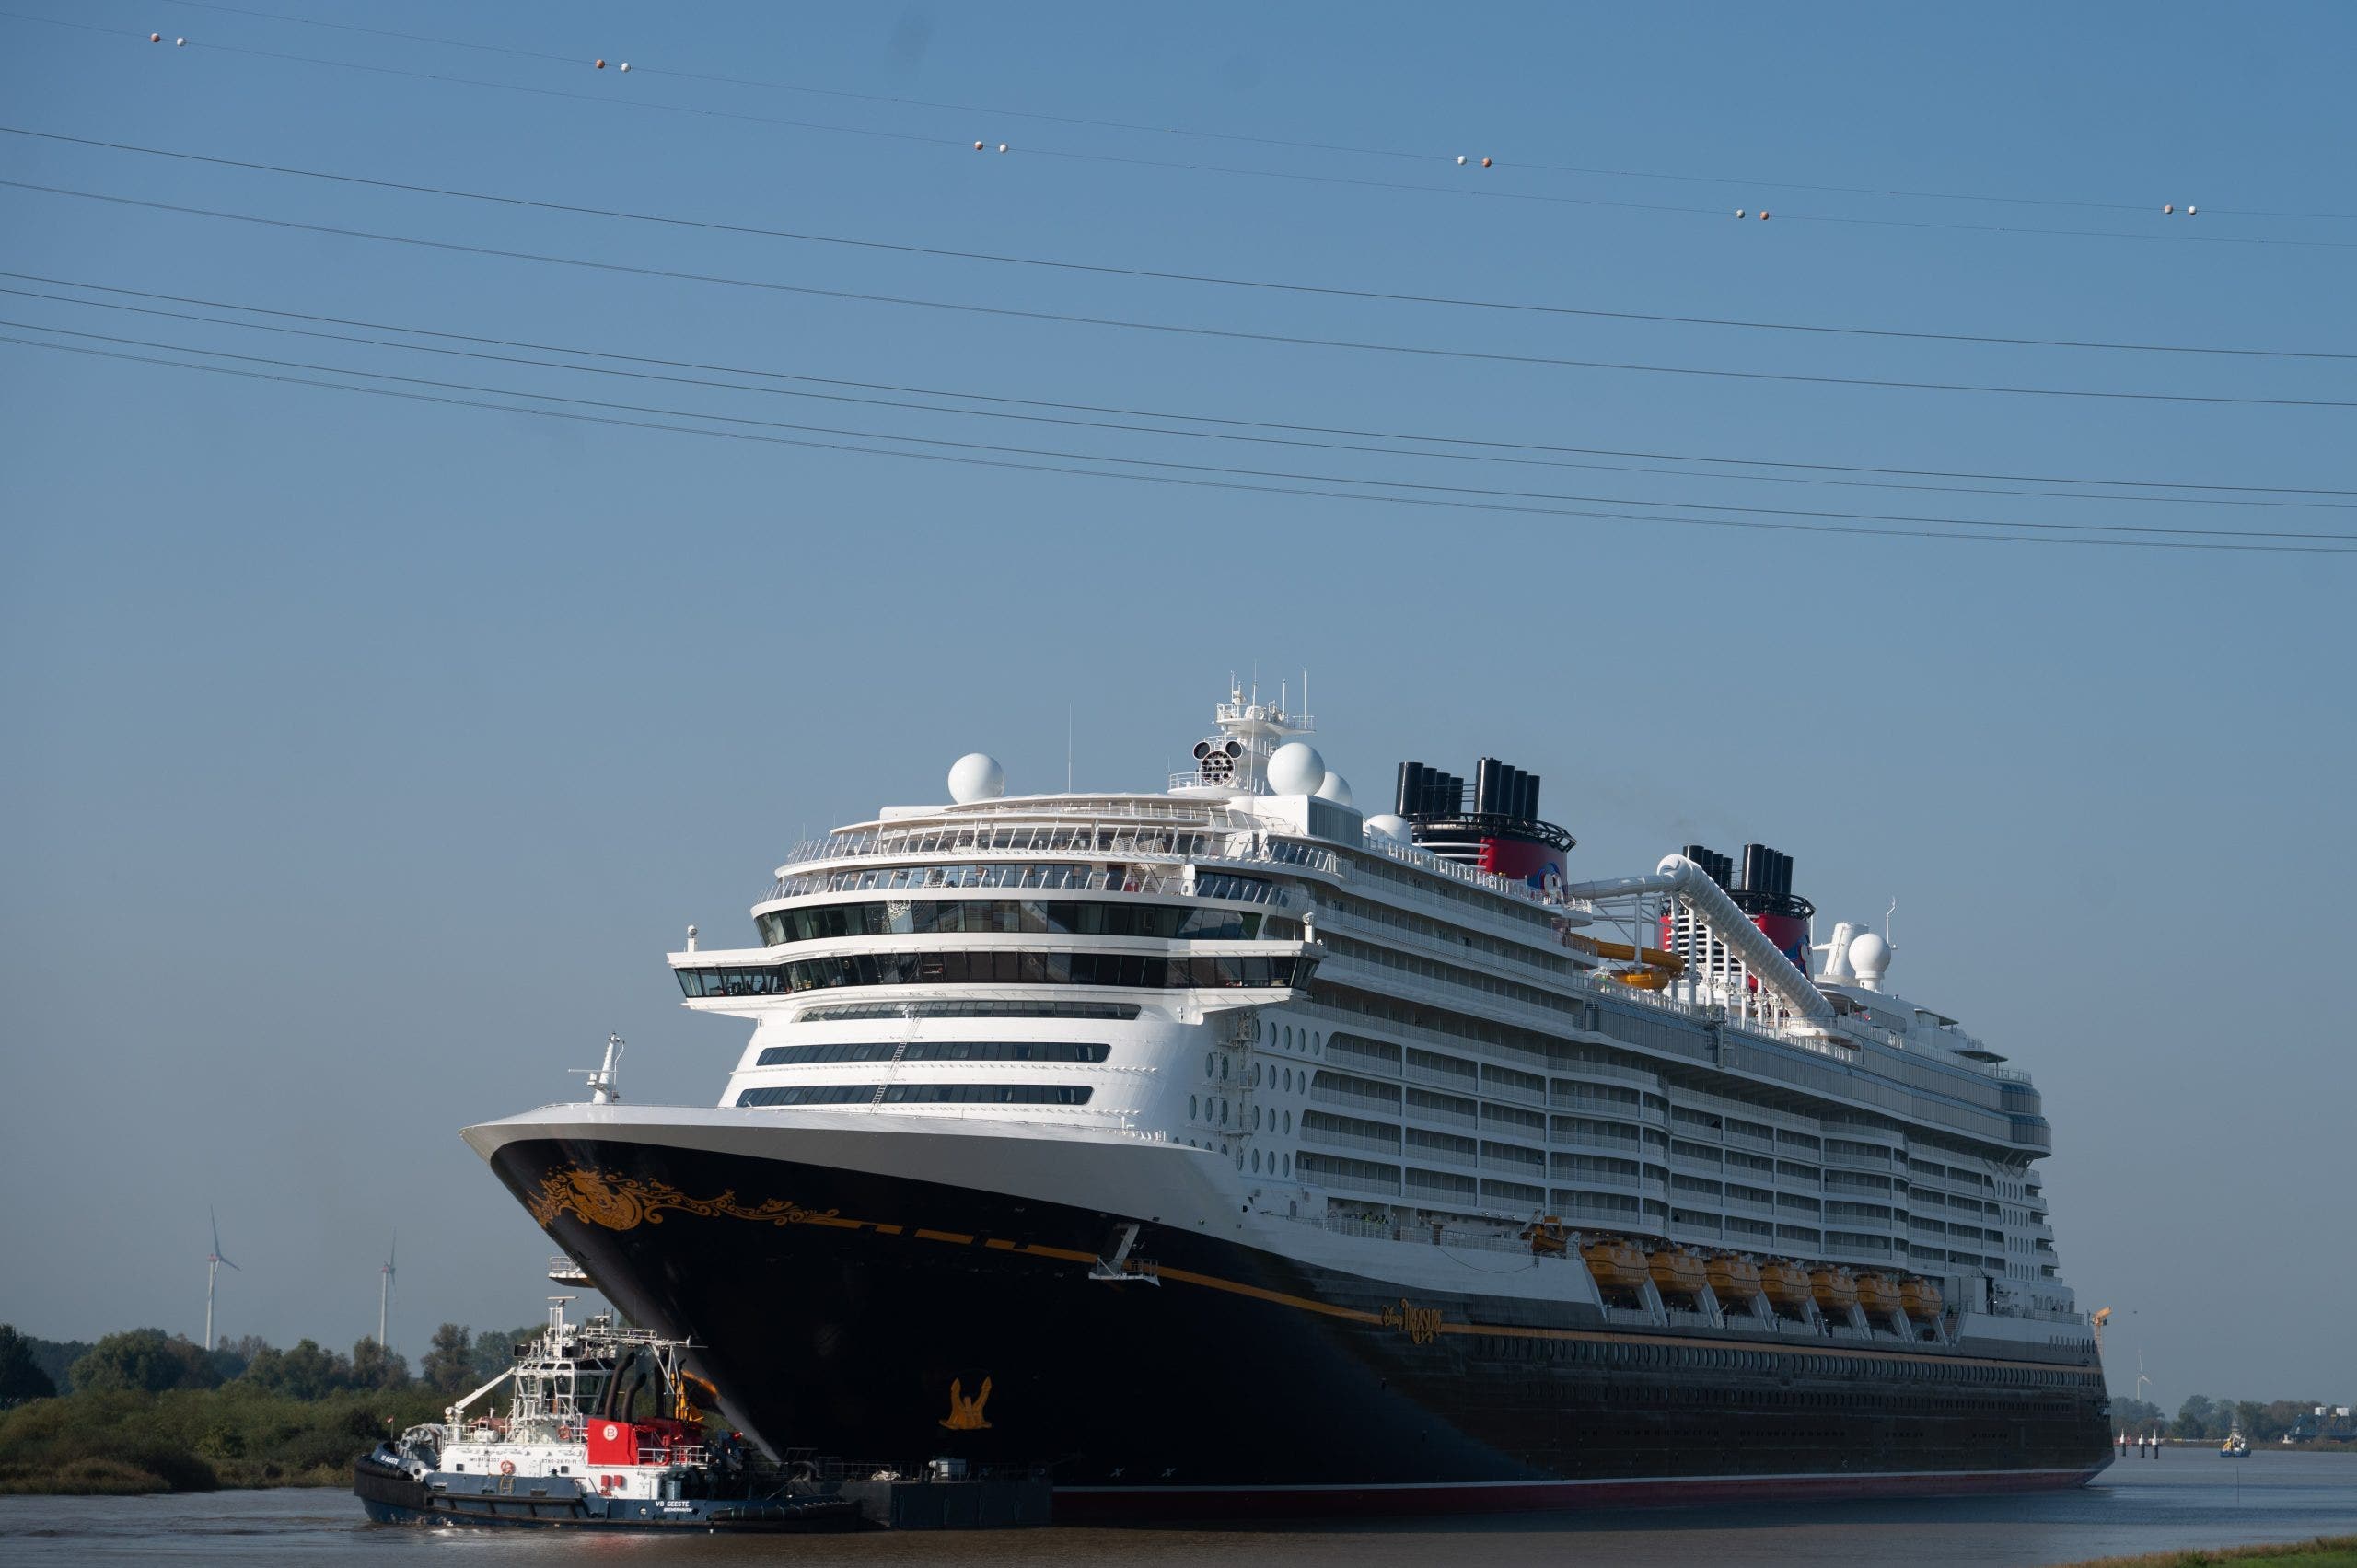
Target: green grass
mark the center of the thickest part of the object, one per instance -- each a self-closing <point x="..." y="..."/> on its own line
<point x="2333" y="1551"/>
<point x="196" y="1440"/>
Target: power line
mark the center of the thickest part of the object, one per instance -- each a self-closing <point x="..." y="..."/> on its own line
<point x="1221" y="334"/>
<point x="1485" y="450"/>
<point x="1473" y="497"/>
<point x="1159" y="275"/>
<point x="1742" y="182"/>
<point x="1105" y="426"/>
<point x="1492" y="192"/>
<point x="1173" y="479"/>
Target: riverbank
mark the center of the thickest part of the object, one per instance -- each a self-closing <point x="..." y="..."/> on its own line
<point x="121" y="1443"/>
<point x="2325" y="1552"/>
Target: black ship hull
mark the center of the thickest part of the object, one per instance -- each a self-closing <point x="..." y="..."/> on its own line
<point x="883" y="1318"/>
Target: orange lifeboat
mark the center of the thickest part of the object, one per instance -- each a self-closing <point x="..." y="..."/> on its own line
<point x="1879" y="1294"/>
<point x="1547" y="1237"/>
<point x="1615" y="1263"/>
<point x="1734" y="1279"/>
<point x="1836" y="1291"/>
<point x="1787" y="1285"/>
<point x="1679" y="1273"/>
<point x="1922" y="1298"/>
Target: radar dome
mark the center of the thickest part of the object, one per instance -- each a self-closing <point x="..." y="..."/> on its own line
<point x="1869" y="958"/>
<point x="976" y="776"/>
<point x="1296" y="769"/>
<point x="1396" y="828"/>
<point x="1336" y="788"/>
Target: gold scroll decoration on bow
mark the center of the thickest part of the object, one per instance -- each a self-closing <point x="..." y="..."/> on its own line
<point x="624" y="1203"/>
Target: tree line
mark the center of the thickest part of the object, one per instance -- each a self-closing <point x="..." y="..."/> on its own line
<point x="2202" y="1419"/>
<point x="151" y="1361"/>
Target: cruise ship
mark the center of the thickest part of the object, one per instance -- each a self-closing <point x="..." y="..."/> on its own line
<point x="1231" y="1152"/>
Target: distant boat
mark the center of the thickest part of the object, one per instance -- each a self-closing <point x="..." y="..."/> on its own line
<point x="2236" y="1446"/>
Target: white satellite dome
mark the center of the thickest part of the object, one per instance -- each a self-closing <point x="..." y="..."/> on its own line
<point x="1399" y="829"/>
<point x="1296" y="768"/>
<point x="1869" y="958"/>
<point x="976" y="776"/>
<point x="1336" y="788"/>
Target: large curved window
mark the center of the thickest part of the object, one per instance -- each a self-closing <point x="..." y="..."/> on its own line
<point x="1012" y="917"/>
<point x="976" y="1008"/>
<point x="1004" y="966"/>
<point x="934" y="1051"/>
<point x="919" y="1094"/>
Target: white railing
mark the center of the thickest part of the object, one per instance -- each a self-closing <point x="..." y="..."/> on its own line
<point x="1327" y="1138"/>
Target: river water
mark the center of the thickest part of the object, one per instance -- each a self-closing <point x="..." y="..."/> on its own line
<point x="2189" y="1499"/>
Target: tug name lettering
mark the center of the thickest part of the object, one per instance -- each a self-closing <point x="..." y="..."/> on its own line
<point x="1421" y="1324"/>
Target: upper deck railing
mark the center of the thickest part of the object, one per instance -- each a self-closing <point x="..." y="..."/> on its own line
<point x="1131" y="829"/>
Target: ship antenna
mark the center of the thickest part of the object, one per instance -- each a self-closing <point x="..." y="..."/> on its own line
<point x="1067" y="748"/>
<point x="1886" y="923"/>
<point x="605" y="1082"/>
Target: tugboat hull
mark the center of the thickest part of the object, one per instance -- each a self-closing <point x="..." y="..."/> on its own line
<point x="390" y="1496"/>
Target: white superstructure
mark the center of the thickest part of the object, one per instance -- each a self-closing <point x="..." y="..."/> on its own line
<point x="1377" y="1058"/>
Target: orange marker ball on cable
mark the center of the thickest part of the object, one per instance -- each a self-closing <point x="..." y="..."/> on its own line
<point x="1485" y="163"/>
<point x="602" y="65"/>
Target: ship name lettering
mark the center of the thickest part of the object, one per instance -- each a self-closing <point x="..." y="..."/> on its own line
<point x="1420" y="1324"/>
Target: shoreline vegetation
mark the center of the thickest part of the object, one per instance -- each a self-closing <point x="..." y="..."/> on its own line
<point x="146" y="1412"/>
<point x="2324" y="1551"/>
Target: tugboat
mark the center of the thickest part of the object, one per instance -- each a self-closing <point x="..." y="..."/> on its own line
<point x="574" y="1448"/>
<point x="2236" y="1446"/>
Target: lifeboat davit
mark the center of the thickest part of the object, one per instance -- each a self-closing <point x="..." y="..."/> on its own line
<point x="1679" y="1273"/>
<point x="1616" y="1264"/>
<point x="1786" y="1285"/>
<point x="1734" y="1279"/>
<point x="1836" y="1291"/>
<point x="1922" y="1298"/>
<point x="1879" y="1294"/>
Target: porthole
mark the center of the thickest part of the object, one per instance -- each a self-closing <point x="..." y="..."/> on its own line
<point x="1288" y="1164"/>
<point x="1288" y="1124"/>
<point x="1256" y="1118"/>
<point x="1211" y="1065"/>
<point x="1223" y="1113"/>
<point x="1190" y="1108"/>
<point x="1256" y="1162"/>
<point x="1222" y="1069"/>
<point x="1288" y="1036"/>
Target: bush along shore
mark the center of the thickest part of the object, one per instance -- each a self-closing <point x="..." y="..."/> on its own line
<point x="148" y="1412"/>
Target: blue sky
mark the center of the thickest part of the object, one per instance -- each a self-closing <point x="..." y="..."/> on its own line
<point x="366" y="754"/>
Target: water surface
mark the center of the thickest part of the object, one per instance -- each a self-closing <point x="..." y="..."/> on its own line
<point x="2186" y="1500"/>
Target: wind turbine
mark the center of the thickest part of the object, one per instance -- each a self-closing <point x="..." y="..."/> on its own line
<point x="384" y="1288"/>
<point x="213" y="1261"/>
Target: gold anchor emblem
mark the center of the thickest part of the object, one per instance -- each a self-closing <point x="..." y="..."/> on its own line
<point x="965" y="1414"/>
